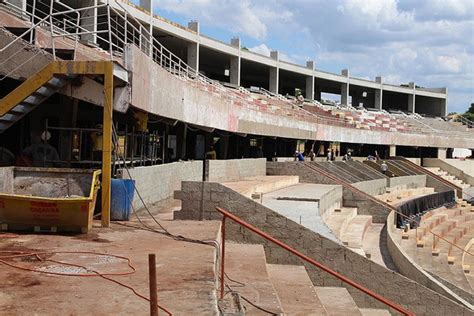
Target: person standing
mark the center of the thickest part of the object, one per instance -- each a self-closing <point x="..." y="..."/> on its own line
<point x="384" y="167"/>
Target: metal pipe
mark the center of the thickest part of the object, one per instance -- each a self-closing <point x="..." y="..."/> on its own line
<point x="153" y="289"/>
<point x="313" y="262"/>
<point x="223" y="256"/>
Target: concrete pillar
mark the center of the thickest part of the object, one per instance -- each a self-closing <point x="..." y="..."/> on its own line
<point x="378" y="94"/>
<point x="274" y="73"/>
<point x="345" y="87"/>
<point x="310" y="81"/>
<point x="235" y="63"/>
<point x="193" y="48"/>
<point x="444" y="104"/>
<point x="411" y="98"/>
<point x="442" y="153"/>
<point x="89" y="22"/>
<point x="18" y="3"/>
<point x="146" y="4"/>
<point x="393" y="151"/>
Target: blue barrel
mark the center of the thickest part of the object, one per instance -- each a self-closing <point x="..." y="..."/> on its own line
<point x="122" y="191"/>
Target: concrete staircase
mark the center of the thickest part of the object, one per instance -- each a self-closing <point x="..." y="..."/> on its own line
<point x="445" y="175"/>
<point x="283" y="289"/>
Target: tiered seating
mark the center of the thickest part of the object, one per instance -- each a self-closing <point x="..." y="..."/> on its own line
<point x="350" y="171"/>
<point x="401" y="194"/>
<point x="441" y="252"/>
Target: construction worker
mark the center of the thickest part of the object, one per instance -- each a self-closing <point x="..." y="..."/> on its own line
<point x="42" y="154"/>
<point x="383" y="167"/>
<point x="211" y="154"/>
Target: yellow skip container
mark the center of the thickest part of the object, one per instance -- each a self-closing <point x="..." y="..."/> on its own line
<point x="48" y="199"/>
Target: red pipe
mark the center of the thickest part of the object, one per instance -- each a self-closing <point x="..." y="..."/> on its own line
<point x="309" y="260"/>
<point x="222" y="256"/>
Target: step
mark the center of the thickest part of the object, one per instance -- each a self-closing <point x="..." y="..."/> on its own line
<point x="261" y="185"/>
<point x="247" y="264"/>
<point x="354" y="233"/>
<point x="337" y="301"/>
<point x="374" y="312"/>
<point x="295" y="290"/>
<point x="338" y="220"/>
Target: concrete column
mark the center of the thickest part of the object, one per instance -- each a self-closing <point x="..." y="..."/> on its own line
<point x="345" y="87"/>
<point x="378" y="94"/>
<point x="310" y="81"/>
<point x="442" y="153"/>
<point x="193" y="48"/>
<point x="18" y="3"/>
<point x="274" y="73"/>
<point x="444" y="104"/>
<point x="89" y="22"/>
<point x="393" y="151"/>
<point x="146" y="4"/>
<point x="235" y="63"/>
<point x="411" y="98"/>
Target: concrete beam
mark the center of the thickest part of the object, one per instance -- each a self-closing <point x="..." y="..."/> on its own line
<point x="345" y="87"/>
<point x="310" y="81"/>
<point x="378" y="94"/>
<point x="411" y="98"/>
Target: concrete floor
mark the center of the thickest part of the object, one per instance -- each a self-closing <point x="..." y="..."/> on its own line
<point x="306" y="212"/>
<point x="186" y="273"/>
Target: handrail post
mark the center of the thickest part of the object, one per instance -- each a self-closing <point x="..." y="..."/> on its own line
<point x="222" y="256"/>
<point x="153" y="289"/>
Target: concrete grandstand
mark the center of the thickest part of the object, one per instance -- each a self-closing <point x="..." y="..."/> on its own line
<point x="202" y="125"/>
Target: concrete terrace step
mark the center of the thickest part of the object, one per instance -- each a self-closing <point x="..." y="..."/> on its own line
<point x="374" y="312"/>
<point x="247" y="264"/>
<point x="339" y="219"/>
<point x="263" y="184"/>
<point x="355" y="231"/>
<point x="337" y="301"/>
<point x="295" y="290"/>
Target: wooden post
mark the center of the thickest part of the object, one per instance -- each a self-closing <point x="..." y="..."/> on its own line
<point x="153" y="289"/>
<point x="107" y="142"/>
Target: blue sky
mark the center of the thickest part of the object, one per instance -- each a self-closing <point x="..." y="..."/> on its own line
<point x="430" y="42"/>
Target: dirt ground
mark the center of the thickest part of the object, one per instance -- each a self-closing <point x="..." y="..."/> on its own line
<point x="185" y="272"/>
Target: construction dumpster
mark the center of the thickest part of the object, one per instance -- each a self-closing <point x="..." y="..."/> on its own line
<point x="47" y="199"/>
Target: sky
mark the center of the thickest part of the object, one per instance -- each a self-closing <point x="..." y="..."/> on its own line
<point x="429" y="42"/>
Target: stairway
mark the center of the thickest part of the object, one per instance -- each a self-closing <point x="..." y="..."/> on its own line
<point x="283" y="289"/>
<point x="445" y="175"/>
<point x="28" y="104"/>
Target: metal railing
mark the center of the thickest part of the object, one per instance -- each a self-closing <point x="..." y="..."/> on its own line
<point x="302" y="256"/>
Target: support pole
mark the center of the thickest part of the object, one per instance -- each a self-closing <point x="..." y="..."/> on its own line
<point x="222" y="256"/>
<point x="153" y="289"/>
<point x="107" y="143"/>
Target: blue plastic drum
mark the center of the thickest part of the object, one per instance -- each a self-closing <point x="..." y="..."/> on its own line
<point x="122" y="192"/>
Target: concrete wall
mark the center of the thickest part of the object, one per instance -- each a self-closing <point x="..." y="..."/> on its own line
<point x="350" y="199"/>
<point x="234" y="169"/>
<point x="6" y="180"/>
<point x="407" y="182"/>
<point x="411" y="269"/>
<point x="199" y="200"/>
<point x="156" y="183"/>
<point x="372" y="187"/>
<point x="330" y="200"/>
<point x="463" y="170"/>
